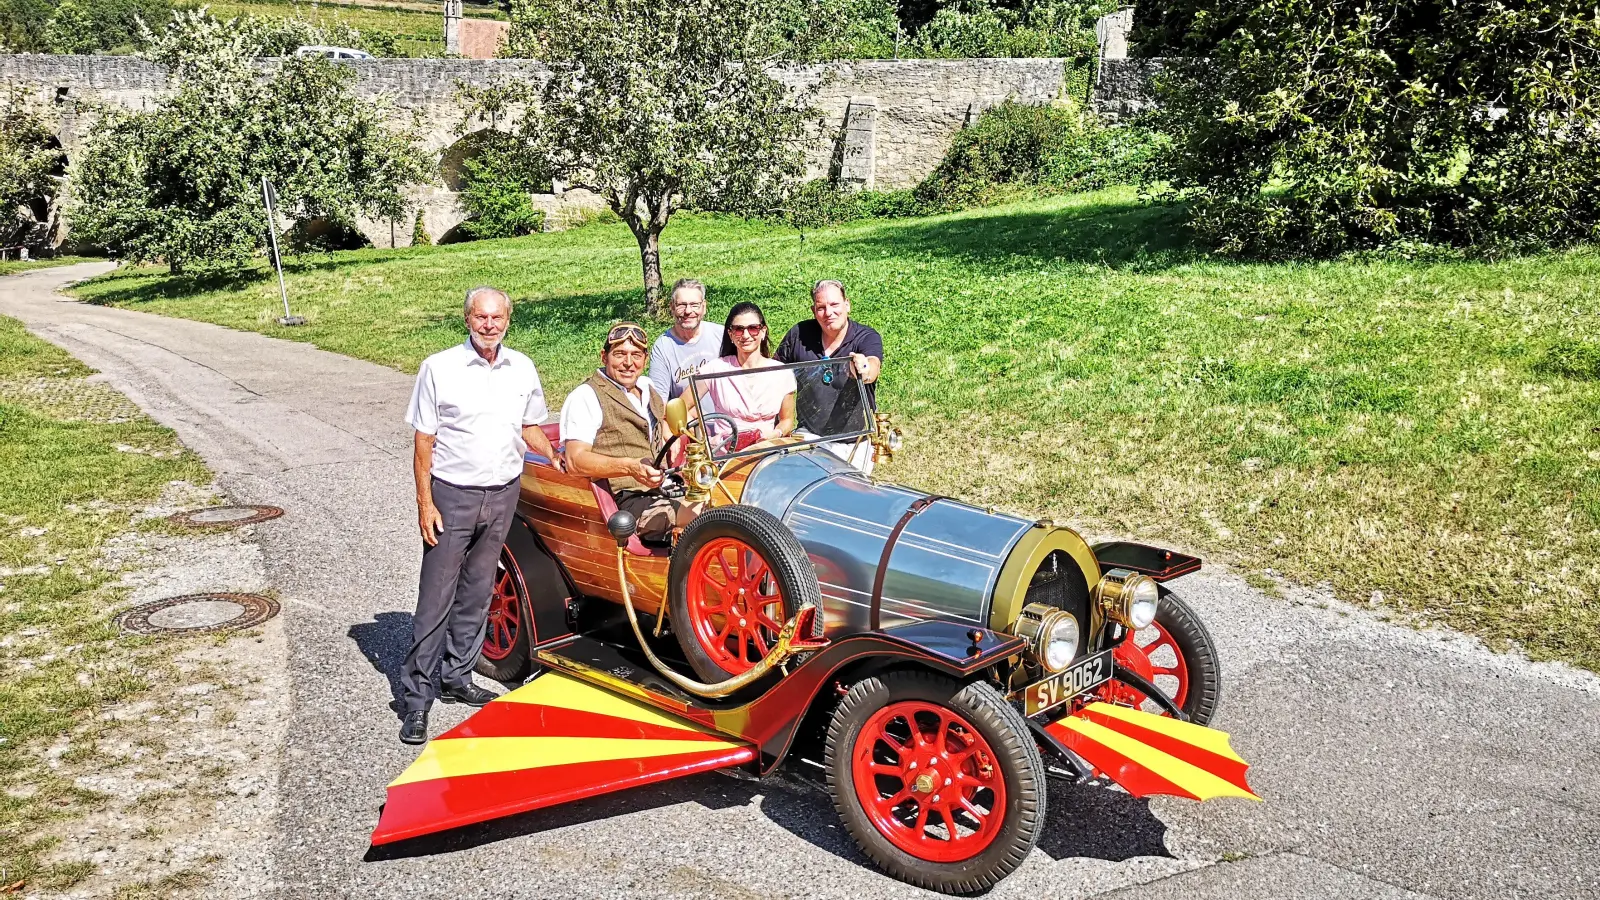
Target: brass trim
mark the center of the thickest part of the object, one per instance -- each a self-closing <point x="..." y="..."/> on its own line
<point x="1011" y="589"/>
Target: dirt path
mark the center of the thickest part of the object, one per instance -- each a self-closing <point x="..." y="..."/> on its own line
<point x="1394" y="763"/>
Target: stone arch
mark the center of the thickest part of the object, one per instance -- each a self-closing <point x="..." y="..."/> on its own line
<point x="453" y="161"/>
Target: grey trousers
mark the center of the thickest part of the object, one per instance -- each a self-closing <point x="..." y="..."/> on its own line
<point x="453" y="597"/>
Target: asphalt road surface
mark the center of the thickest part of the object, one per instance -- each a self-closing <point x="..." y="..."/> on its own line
<point x="1394" y="763"/>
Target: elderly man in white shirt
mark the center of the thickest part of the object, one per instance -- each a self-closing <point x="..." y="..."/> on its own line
<point x="476" y="409"/>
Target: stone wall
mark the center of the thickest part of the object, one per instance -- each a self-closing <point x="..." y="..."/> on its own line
<point x="1122" y="87"/>
<point x="897" y="116"/>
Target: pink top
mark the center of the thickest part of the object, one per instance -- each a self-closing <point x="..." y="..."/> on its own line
<point x="753" y="401"/>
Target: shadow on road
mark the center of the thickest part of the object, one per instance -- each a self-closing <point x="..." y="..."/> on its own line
<point x="384" y="642"/>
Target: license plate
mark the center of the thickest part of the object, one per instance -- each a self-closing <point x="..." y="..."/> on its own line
<point x="1085" y="674"/>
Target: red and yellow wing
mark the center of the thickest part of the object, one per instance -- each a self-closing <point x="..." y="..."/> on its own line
<point x="1149" y="754"/>
<point x="553" y="740"/>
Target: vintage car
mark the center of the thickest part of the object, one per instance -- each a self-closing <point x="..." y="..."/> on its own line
<point x="930" y="661"/>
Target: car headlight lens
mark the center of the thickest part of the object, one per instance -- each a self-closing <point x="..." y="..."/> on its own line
<point x="1061" y="645"/>
<point x="1144" y="599"/>
<point x="1051" y="633"/>
<point x="1128" y="598"/>
<point x="705" y="475"/>
<point x="893" y="440"/>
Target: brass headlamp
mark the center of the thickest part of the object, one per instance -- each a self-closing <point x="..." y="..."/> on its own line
<point x="1051" y="633"/>
<point x="886" y="439"/>
<point x="1128" y="598"/>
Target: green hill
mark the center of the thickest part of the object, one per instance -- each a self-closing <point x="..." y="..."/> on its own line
<point x="1420" y="434"/>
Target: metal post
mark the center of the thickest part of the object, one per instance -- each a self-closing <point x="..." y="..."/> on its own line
<point x="267" y="194"/>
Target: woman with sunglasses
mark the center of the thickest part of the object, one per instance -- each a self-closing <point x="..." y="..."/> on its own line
<point x="761" y="403"/>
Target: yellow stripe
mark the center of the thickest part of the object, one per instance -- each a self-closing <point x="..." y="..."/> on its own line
<point x="1200" y="736"/>
<point x="478" y="756"/>
<point x="1202" y="784"/>
<point x="555" y="689"/>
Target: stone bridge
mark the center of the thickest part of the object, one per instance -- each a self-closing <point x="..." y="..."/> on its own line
<point x="881" y="123"/>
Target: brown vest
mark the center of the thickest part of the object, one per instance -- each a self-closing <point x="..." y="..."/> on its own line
<point x="623" y="432"/>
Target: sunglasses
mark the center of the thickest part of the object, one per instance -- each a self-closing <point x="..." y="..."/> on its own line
<point x="746" y="329"/>
<point x="622" y="333"/>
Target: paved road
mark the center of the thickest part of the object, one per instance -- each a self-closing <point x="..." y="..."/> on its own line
<point x="1394" y="763"/>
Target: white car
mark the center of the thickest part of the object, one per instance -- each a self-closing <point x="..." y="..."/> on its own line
<point x="333" y="52"/>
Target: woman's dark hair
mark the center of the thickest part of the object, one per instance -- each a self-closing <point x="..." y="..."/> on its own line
<point x="739" y="309"/>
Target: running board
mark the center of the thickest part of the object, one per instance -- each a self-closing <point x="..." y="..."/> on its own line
<point x="1148" y="754"/>
<point x="554" y="740"/>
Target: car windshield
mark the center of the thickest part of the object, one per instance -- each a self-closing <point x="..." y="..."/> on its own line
<point x="744" y="407"/>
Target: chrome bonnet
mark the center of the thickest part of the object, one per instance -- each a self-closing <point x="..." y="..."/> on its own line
<point x="943" y="564"/>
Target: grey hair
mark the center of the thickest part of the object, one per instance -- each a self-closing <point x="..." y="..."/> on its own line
<point x="829" y="282"/>
<point x="466" y="307"/>
<point x="693" y="283"/>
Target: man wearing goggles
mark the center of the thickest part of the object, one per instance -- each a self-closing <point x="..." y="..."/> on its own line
<point x="612" y="427"/>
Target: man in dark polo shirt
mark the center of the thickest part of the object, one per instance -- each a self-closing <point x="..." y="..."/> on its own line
<point x="829" y="403"/>
<point x="612" y="427"/>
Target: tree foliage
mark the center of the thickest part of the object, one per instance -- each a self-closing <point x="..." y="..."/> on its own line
<point x="1010" y="28"/>
<point x="655" y="106"/>
<point x="1321" y="127"/>
<point x="182" y="182"/>
<point x="31" y="162"/>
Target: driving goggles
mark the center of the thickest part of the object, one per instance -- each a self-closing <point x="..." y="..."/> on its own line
<point x="627" y="332"/>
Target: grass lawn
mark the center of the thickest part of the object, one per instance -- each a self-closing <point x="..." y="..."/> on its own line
<point x="1424" y="436"/>
<point x="8" y="267"/>
<point x="72" y="480"/>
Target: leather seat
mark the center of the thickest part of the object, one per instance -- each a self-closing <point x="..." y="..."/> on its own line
<point x="602" y="497"/>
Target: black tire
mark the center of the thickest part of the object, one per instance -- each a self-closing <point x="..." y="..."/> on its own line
<point x="517" y="664"/>
<point x="792" y="574"/>
<point x="1015" y="751"/>
<point x="1199" y="656"/>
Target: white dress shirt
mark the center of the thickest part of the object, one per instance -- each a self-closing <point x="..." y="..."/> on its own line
<point x="475" y="412"/>
<point x="581" y="414"/>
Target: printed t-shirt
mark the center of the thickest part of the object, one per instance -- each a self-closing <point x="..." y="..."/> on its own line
<point x="672" y="361"/>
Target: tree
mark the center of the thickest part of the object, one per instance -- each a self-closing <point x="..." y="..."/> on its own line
<point x="181" y="182"/>
<point x="654" y="106"/>
<point x="87" y="26"/>
<point x="1322" y="127"/>
<point x="31" y="163"/>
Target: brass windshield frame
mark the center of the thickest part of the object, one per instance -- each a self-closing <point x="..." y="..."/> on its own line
<point x="692" y="393"/>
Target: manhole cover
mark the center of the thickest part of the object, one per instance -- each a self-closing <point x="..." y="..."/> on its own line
<point x="199" y="612"/>
<point x="225" y="516"/>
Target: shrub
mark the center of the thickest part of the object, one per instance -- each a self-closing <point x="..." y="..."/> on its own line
<point x="30" y="158"/>
<point x="419" y="233"/>
<point x="500" y="180"/>
<point x="995" y="28"/>
<point x="1055" y="147"/>
<point x="87" y="26"/>
<point x="1321" y="128"/>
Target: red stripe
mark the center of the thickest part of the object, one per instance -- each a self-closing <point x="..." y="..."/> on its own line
<point x="1134" y="778"/>
<point x="1229" y="770"/>
<point x="505" y="719"/>
<point x="425" y="807"/>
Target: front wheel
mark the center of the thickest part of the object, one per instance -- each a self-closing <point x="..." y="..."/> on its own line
<point x="940" y="784"/>
<point x="1177" y="655"/>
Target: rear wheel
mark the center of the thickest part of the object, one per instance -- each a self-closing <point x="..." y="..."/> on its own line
<point x="507" y="651"/>
<point x="737" y="575"/>
<point x="1177" y="655"/>
<point x="940" y="784"/>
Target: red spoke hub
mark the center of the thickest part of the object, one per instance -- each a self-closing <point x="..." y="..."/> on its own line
<point x="1152" y="653"/>
<point x="929" y="781"/>
<point x="505" y="612"/>
<point x="735" y="610"/>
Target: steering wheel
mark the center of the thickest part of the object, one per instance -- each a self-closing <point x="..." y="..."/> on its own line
<point x="733" y="428"/>
<point x="666" y="448"/>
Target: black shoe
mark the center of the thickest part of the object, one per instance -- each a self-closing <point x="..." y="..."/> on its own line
<point x="470" y="694"/>
<point x="414" y="728"/>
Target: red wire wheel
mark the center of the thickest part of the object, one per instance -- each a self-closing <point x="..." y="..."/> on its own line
<point x="507" y="651"/>
<point x="737" y="576"/>
<point x="929" y="782"/>
<point x="939" y="782"/>
<point x="505" y="613"/>
<point x="1176" y="654"/>
<point x="735" y="609"/>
